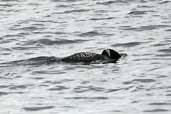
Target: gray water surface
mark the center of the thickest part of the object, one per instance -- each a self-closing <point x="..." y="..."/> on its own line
<point x="138" y="84"/>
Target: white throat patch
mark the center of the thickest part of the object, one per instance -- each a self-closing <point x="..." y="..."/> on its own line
<point x="108" y="52"/>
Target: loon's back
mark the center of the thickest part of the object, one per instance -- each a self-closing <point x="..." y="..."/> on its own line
<point x="83" y="57"/>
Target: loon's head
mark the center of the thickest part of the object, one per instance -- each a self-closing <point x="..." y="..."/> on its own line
<point x="111" y="54"/>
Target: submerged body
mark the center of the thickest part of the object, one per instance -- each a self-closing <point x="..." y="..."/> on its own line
<point x="107" y="56"/>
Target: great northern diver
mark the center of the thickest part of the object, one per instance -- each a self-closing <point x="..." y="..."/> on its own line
<point x="107" y="56"/>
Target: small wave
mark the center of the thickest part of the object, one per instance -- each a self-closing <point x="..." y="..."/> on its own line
<point x="168" y="30"/>
<point x="25" y="47"/>
<point x="165" y="50"/>
<point x="28" y="28"/>
<point x="129" y="44"/>
<point x="64" y="1"/>
<point x="53" y="42"/>
<point x="92" y="34"/>
<point x="139" y="12"/>
<point x="113" y="90"/>
<point x="9" y="38"/>
<point x="7" y="93"/>
<point x="4" y="86"/>
<point x="112" y="2"/>
<point x="58" y="82"/>
<point x="164" y="2"/>
<point x="81" y="89"/>
<point x="3" y="93"/>
<point x="10" y="0"/>
<point x="160" y="103"/>
<point x="38" y="108"/>
<point x="6" y="5"/>
<point x="156" y="110"/>
<point x="108" y="18"/>
<point x="11" y="35"/>
<point x="163" y="55"/>
<point x="48" y="72"/>
<point x="140" y="80"/>
<point x="58" y="88"/>
<point x="99" y="98"/>
<point x="76" y="11"/>
<point x="18" y="87"/>
<point x="63" y="6"/>
<point x="143" y="28"/>
<point x="6" y="41"/>
<point x="43" y="32"/>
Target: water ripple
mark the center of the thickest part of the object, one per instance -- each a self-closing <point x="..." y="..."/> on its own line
<point x="160" y="103"/>
<point x="140" y="80"/>
<point x="144" y="28"/>
<point x="112" y="2"/>
<point x="165" y="50"/>
<point x="156" y="110"/>
<point x="76" y="11"/>
<point x="47" y="72"/>
<point x="3" y="93"/>
<point x="8" y="93"/>
<point x="53" y="42"/>
<point x="113" y="90"/>
<point x="4" y="86"/>
<point x="38" y="108"/>
<point x="104" y="18"/>
<point x="58" y="88"/>
<point x="139" y="12"/>
<point x="25" y="47"/>
<point x="93" y="33"/>
<point x="129" y="44"/>
<point x="89" y="98"/>
<point x="19" y="87"/>
<point x="164" y="2"/>
<point x="81" y="89"/>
